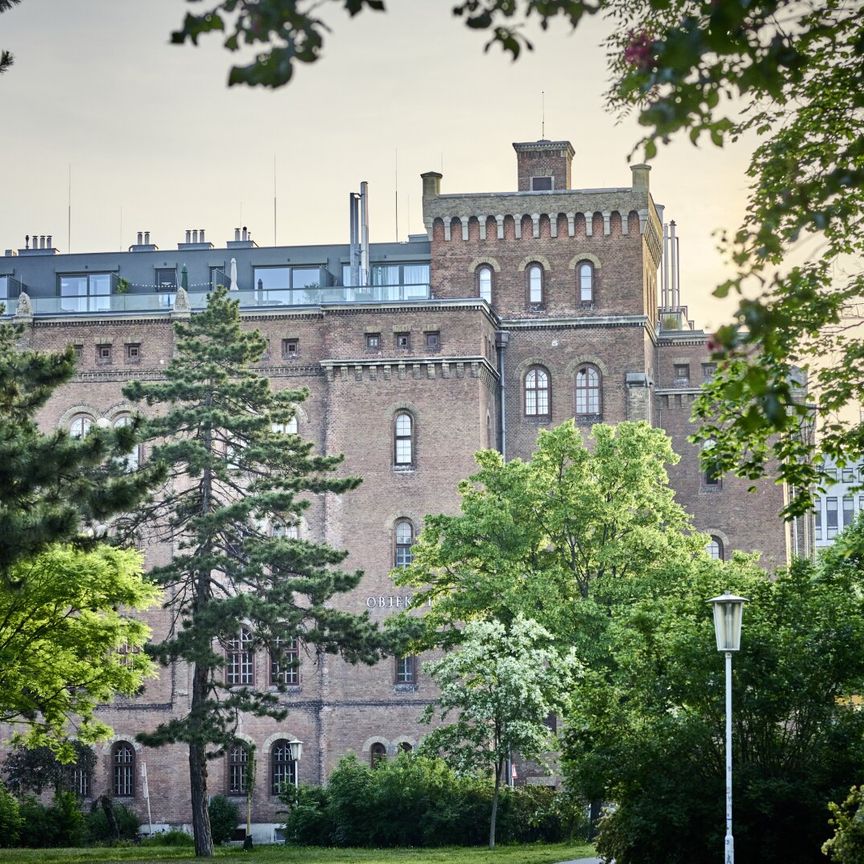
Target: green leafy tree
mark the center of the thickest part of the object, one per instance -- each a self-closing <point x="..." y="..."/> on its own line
<point x="238" y="579"/>
<point x="556" y="538"/>
<point x="502" y="683"/>
<point x="33" y="769"/>
<point x="64" y="616"/>
<point x="847" y="844"/>
<point x="647" y="728"/>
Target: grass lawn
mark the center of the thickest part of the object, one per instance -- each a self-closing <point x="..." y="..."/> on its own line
<point x="541" y="853"/>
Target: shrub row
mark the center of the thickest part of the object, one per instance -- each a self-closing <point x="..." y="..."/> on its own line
<point x="418" y="801"/>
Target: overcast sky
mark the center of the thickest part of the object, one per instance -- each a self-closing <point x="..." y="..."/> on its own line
<point x="157" y="141"/>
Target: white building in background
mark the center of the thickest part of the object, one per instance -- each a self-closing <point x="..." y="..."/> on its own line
<point x="840" y="503"/>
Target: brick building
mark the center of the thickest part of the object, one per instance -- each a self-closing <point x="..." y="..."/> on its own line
<point x="515" y="311"/>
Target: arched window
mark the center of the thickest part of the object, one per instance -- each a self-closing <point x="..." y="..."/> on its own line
<point x="239" y="657"/>
<point x="484" y="282"/>
<point x="403" y="439"/>
<point x="534" y="278"/>
<point x="537" y="392"/>
<point x="715" y="548"/>
<point x="285" y="664"/>
<point x="238" y="762"/>
<point x="404" y="540"/>
<point x="133" y="457"/>
<point x="123" y="764"/>
<point x="588" y="403"/>
<point x="585" y="276"/>
<point x="377" y="753"/>
<point x="283" y="769"/>
<point x="80" y="425"/>
<point x="288" y="529"/>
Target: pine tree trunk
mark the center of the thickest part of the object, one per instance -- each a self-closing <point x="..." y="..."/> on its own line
<point x="498" y="770"/>
<point x="198" y="773"/>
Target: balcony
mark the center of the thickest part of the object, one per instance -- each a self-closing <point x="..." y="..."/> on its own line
<point x="162" y="302"/>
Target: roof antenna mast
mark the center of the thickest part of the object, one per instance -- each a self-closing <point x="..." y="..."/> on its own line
<point x="542" y="115"/>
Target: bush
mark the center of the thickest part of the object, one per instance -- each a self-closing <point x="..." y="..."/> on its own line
<point x="418" y="801"/>
<point x="847" y="844"/>
<point x="69" y="824"/>
<point x="169" y="838"/>
<point x="10" y="818"/>
<point x="97" y="824"/>
<point x="36" y="829"/>
<point x="224" y="816"/>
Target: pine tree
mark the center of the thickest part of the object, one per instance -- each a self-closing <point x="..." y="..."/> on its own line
<point x="238" y="479"/>
<point x="53" y="485"/>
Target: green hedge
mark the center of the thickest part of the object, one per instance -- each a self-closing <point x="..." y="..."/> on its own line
<point x="416" y="801"/>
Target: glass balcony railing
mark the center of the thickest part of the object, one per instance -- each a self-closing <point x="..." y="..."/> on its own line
<point x="268" y="298"/>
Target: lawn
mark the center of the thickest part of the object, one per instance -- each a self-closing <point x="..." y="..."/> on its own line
<point x="541" y="853"/>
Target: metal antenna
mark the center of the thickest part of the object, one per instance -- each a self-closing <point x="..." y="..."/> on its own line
<point x="542" y="114"/>
<point x="69" y="212"/>
<point x="274" y="199"/>
<point x="396" y="187"/>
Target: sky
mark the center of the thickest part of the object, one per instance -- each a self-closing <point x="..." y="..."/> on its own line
<point x="156" y="140"/>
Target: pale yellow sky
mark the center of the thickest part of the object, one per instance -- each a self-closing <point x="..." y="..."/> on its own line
<point x="152" y="132"/>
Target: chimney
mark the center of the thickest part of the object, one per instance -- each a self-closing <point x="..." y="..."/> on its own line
<point x="236" y="235"/>
<point x="146" y="238"/>
<point x="640" y="178"/>
<point x="41" y="241"/>
<point x="245" y="233"/>
<point x="431" y="184"/>
<point x="140" y="238"/>
<point x="201" y="235"/>
<point x="188" y="236"/>
<point x="50" y="242"/>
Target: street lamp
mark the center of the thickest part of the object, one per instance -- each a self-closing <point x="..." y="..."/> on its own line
<point x="728" y="612"/>
<point x="295" y="751"/>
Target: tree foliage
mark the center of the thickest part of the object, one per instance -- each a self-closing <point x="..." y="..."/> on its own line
<point x="647" y="730"/>
<point x="54" y="487"/>
<point x="502" y="683"/>
<point x="555" y="538"/>
<point x="846" y="846"/>
<point x="238" y="486"/>
<point x="34" y="769"/>
<point x="64" y="615"/>
<point x="6" y="58"/>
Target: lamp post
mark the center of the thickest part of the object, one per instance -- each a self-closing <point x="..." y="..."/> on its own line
<point x="728" y="612"/>
<point x="295" y="751"/>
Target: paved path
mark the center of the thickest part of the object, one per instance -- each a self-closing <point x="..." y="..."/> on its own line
<point x="583" y="861"/>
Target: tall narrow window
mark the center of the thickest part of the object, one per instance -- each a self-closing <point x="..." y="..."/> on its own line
<point x="588" y="404"/>
<point x="537" y="392"/>
<point x="484" y="282"/>
<point x="123" y="759"/>
<point x="535" y="283"/>
<point x="404" y="439"/>
<point x="80" y="781"/>
<point x="848" y="510"/>
<point x="377" y="753"/>
<point x="133" y="457"/>
<point x="585" y="275"/>
<point x="404" y="540"/>
<point x="239" y="660"/>
<point x="830" y="517"/>
<point x="283" y="769"/>
<point x="715" y="548"/>
<point x="285" y="664"/>
<point x="817" y="518"/>
<point x="238" y="760"/>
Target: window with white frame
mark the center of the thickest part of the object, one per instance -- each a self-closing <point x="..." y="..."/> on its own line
<point x="238" y="762"/>
<point x="133" y="458"/>
<point x="537" y="392"/>
<point x="588" y="391"/>
<point x="285" y="663"/>
<point x="534" y="275"/>
<point x="715" y="548"/>
<point x="404" y="535"/>
<point x="484" y="282"/>
<point x="585" y="278"/>
<point x="123" y="764"/>
<point x="80" y="425"/>
<point x="403" y="439"/>
<point x="283" y="769"/>
<point x="239" y="660"/>
<point x="406" y="670"/>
